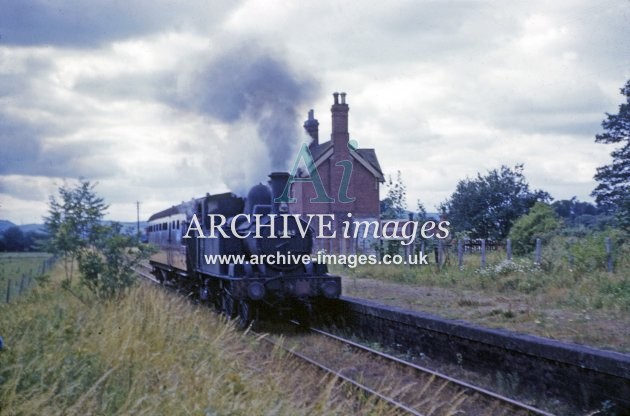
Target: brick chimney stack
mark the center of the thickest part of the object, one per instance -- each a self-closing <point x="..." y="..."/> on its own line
<point x="340" y="135"/>
<point x="311" y="125"/>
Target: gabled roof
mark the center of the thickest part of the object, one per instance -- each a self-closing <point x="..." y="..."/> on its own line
<point x="367" y="157"/>
<point x="320" y="149"/>
<point x="370" y="156"/>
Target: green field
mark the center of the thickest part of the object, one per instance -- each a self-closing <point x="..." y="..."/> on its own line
<point x="18" y="272"/>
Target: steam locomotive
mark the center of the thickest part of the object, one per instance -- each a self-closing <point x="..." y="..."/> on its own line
<point x="243" y="287"/>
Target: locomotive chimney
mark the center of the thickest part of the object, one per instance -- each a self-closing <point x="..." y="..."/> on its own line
<point x="340" y="135"/>
<point x="311" y="125"/>
<point x="277" y="182"/>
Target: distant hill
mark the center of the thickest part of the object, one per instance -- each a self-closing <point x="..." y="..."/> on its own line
<point x="129" y="227"/>
<point x="39" y="228"/>
<point x="4" y="224"/>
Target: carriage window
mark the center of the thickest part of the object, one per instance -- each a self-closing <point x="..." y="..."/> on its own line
<point x="178" y="224"/>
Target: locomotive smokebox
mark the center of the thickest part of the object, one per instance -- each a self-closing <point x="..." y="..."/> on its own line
<point x="277" y="181"/>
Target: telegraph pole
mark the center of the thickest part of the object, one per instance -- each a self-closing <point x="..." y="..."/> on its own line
<point x="138" y="219"/>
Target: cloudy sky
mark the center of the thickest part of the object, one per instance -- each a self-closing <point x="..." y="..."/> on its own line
<point x="159" y="101"/>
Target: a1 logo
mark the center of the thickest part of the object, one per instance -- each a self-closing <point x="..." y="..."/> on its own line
<point x="322" y="196"/>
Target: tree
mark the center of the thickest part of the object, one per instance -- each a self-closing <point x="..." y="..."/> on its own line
<point x="395" y="203"/>
<point x="74" y="222"/>
<point x="14" y="239"/>
<point x="105" y="255"/>
<point x="421" y="212"/>
<point x="571" y="208"/>
<point x="580" y="214"/>
<point x="613" y="191"/>
<point x="540" y="222"/>
<point x="487" y="206"/>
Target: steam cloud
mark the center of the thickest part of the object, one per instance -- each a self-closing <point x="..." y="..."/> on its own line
<point x="259" y="97"/>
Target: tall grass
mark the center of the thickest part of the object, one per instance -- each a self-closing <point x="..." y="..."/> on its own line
<point x="148" y="353"/>
<point x="555" y="279"/>
<point x="20" y="269"/>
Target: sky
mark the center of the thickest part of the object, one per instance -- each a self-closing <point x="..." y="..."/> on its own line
<point x="161" y="101"/>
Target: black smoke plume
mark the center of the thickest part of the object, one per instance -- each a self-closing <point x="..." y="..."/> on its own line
<point x="249" y="86"/>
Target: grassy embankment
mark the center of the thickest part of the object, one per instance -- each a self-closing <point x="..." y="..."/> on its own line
<point x="579" y="302"/>
<point x="152" y="353"/>
<point x="596" y="289"/>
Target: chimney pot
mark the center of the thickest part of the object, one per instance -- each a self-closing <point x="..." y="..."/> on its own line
<point x="311" y="125"/>
<point x="339" y="134"/>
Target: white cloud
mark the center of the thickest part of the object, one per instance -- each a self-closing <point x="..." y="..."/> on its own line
<point x="441" y="90"/>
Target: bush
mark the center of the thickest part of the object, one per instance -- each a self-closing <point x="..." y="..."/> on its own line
<point x="585" y="253"/>
<point x="107" y="268"/>
<point x="540" y="222"/>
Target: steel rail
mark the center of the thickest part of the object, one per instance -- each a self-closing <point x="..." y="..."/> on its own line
<point x="341" y="376"/>
<point x="416" y="367"/>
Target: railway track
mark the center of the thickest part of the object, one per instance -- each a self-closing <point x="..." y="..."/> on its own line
<point x="570" y="379"/>
<point x="339" y="374"/>
<point x="145" y="272"/>
<point x="510" y="406"/>
<point x="415" y="381"/>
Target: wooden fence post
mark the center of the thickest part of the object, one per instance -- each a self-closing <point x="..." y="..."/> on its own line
<point x="609" y="260"/>
<point x="460" y="254"/>
<point x="22" y="283"/>
<point x="538" y="247"/>
<point x="508" y="249"/>
<point x="8" y="290"/>
<point x="483" y="253"/>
